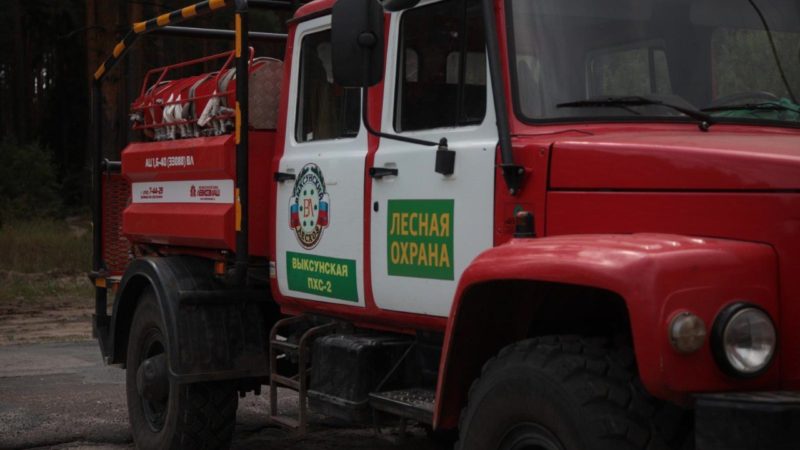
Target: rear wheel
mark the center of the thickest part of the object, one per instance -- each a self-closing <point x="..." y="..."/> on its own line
<point x="165" y="415"/>
<point x="566" y="393"/>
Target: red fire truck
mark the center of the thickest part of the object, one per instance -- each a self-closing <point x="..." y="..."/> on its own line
<point x="545" y="224"/>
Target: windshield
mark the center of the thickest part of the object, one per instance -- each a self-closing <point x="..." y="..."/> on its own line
<point x="735" y="60"/>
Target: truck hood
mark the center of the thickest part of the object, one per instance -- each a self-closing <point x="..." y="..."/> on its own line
<point x="677" y="160"/>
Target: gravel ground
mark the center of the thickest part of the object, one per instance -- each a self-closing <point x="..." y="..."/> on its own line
<point x="61" y="396"/>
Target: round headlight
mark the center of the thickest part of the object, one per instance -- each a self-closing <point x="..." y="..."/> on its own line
<point x="744" y="340"/>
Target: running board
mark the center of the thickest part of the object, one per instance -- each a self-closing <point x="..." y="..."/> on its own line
<point x="414" y="403"/>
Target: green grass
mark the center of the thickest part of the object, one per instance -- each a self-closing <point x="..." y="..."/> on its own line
<point x="45" y="246"/>
<point x="45" y="262"/>
<point x="25" y="290"/>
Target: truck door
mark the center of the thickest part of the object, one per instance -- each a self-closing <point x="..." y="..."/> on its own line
<point x="320" y="202"/>
<point x="427" y="227"/>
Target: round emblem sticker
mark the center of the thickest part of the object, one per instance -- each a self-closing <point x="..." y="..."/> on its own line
<point x="309" y="207"/>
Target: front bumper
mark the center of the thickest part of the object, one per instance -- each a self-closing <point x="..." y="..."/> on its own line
<point x="748" y="421"/>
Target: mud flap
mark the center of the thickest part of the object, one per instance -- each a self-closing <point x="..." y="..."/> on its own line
<point x="213" y="332"/>
<point x="220" y="341"/>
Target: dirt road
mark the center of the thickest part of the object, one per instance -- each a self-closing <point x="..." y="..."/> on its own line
<point x="44" y="307"/>
<point x="56" y="393"/>
<point x="60" y="395"/>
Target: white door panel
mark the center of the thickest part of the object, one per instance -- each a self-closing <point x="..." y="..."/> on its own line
<point x="320" y="258"/>
<point x="429" y="227"/>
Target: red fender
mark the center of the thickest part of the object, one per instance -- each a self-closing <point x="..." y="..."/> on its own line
<point x="657" y="275"/>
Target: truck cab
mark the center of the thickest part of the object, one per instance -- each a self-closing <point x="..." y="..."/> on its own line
<point x="543" y="224"/>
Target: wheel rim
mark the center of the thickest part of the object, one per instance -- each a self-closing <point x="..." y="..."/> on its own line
<point x="155" y="410"/>
<point x="530" y="436"/>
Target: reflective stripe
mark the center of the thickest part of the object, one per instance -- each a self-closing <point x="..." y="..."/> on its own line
<point x="186" y="191"/>
<point x="119" y="49"/>
<point x="100" y="71"/>
<point x="163" y="20"/>
<point x="160" y="21"/>
<point x="238" y="35"/>
<point x="238" y="123"/>
<point x="189" y="11"/>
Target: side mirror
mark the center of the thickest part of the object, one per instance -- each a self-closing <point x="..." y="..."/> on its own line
<point x="357" y="42"/>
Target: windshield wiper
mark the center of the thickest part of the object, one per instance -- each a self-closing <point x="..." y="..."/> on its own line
<point x="766" y="106"/>
<point x="625" y="102"/>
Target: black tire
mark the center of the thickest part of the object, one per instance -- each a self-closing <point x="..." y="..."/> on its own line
<point x="199" y="416"/>
<point x="567" y="393"/>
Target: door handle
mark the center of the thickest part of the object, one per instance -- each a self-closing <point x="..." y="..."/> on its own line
<point x="380" y="172"/>
<point x="280" y="177"/>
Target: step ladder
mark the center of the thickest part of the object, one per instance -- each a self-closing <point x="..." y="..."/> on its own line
<point x="412" y="403"/>
<point x="299" y="381"/>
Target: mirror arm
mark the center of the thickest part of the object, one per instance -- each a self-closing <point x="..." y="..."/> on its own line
<point x="374" y="132"/>
<point x="365" y="115"/>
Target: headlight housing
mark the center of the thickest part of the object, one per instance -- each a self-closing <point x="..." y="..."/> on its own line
<point x="687" y="332"/>
<point x="743" y="340"/>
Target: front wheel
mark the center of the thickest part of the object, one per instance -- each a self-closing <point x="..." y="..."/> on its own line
<point x="566" y="393"/>
<point x="165" y="415"/>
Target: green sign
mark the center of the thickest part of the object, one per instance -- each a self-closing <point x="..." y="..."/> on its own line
<point x="320" y="275"/>
<point x="420" y="238"/>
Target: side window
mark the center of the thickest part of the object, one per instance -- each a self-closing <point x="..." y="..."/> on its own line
<point x="628" y="71"/>
<point x="742" y="61"/>
<point x="530" y="84"/>
<point x="443" y="60"/>
<point x="324" y="110"/>
<point x="411" y="62"/>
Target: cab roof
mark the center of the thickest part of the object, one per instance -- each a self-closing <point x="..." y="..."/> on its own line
<point x="313" y="7"/>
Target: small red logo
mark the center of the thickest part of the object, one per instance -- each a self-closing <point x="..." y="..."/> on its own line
<point x="193" y="191"/>
<point x="209" y="191"/>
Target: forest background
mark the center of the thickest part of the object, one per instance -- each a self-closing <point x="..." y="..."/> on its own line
<point x="48" y="51"/>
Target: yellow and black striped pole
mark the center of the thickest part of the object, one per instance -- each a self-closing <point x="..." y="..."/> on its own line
<point x="242" y="54"/>
<point x="170" y="18"/>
